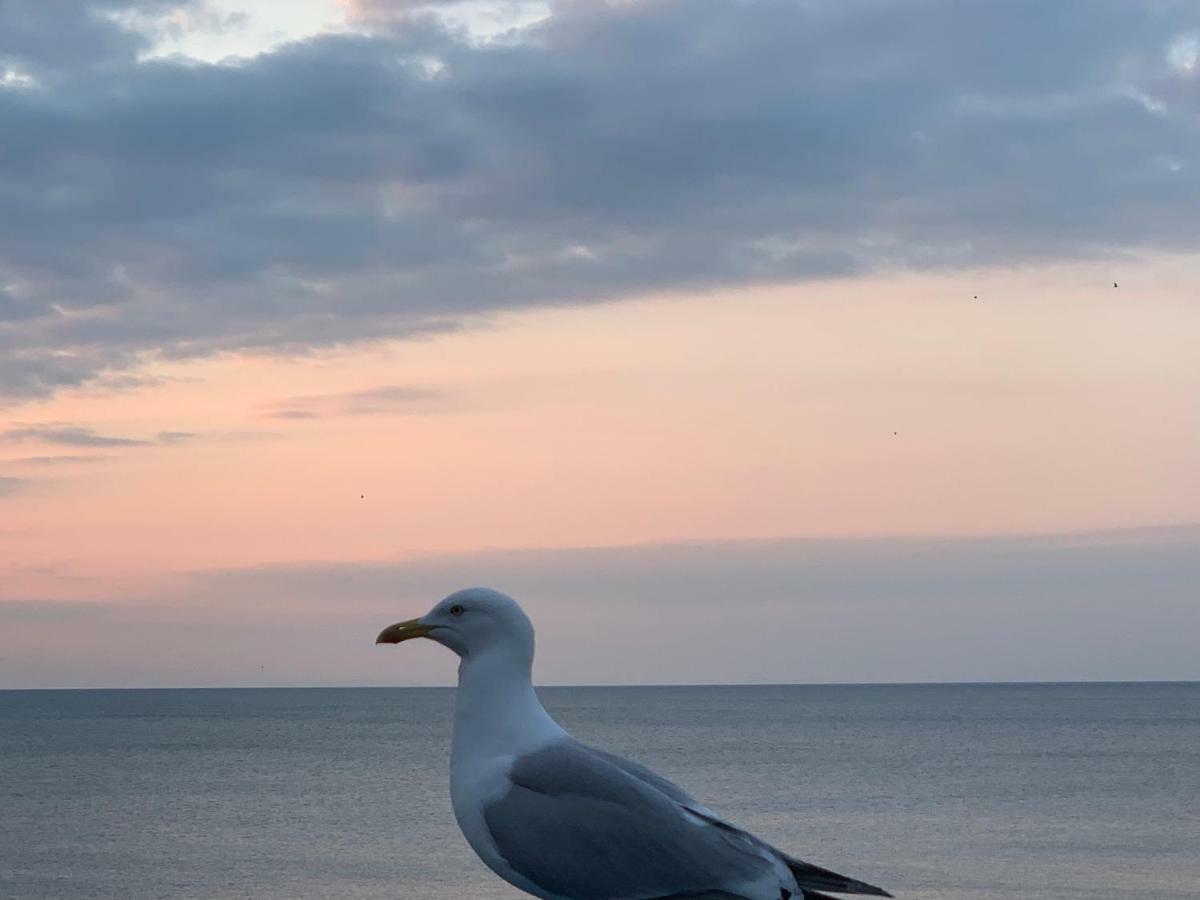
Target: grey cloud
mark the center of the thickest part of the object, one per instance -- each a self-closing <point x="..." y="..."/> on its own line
<point x="1111" y="606"/>
<point x="292" y="414"/>
<point x="175" y="437"/>
<point x="386" y="399"/>
<point x="68" y="436"/>
<point x="119" y="643"/>
<point x="9" y="485"/>
<point x="79" y="436"/>
<point x="244" y="434"/>
<point x="113" y="382"/>
<point x="346" y="188"/>
<point x="49" y="37"/>
<point x="60" y="460"/>
<point x="14" y="611"/>
<point x="760" y="573"/>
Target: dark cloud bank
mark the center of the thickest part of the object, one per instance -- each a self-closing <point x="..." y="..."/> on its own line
<point x="1106" y="606"/>
<point x="357" y="186"/>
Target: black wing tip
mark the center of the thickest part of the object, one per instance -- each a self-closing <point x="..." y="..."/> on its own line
<point x="861" y="887"/>
<point x="871" y="889"/>
<point x="812" y="879"/>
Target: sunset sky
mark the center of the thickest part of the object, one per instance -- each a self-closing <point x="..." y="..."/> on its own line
<point x="847" y="340"/>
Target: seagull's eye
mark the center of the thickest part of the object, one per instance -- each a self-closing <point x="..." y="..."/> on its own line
<point x="456" y="610"/>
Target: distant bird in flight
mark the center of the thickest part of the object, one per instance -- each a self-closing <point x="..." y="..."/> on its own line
<point x="1114" y="284"/>
<point x="563" y="821"/>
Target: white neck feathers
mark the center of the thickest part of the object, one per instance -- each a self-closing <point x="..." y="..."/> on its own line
<point x="497" y="712"/>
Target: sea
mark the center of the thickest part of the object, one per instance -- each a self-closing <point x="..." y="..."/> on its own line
<point x="937" y="792"/>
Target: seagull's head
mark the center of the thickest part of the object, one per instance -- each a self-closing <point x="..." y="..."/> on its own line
<point x="470" y="622"/>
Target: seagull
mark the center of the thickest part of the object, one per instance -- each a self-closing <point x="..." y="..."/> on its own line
<point x="561" y="820"/>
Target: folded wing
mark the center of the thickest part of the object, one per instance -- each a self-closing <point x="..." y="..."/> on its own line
<point x="577" y="825"/>
<point x="590" y="825"/>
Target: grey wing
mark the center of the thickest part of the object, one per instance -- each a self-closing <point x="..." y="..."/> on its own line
<point x="577" y="825"/>
<point x="809" y="878"/>
<point x="640" y="772"/>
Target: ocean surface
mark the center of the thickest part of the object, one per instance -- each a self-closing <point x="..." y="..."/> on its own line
<point x="940" y="792"/>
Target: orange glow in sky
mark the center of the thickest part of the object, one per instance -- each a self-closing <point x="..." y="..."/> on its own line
<point x="895" y="405"/>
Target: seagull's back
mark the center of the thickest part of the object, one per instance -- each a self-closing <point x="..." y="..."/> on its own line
<point x="583" y="825"/>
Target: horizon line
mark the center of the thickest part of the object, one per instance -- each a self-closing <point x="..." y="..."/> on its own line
<point x="664" y="684"/>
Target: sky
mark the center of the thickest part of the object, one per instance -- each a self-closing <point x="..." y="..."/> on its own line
<point x="759" y="341"/>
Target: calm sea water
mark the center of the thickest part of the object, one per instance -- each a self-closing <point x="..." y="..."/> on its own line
<point x="960" y="792"/>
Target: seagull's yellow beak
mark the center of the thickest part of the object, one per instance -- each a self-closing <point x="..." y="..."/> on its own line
<point x="403" y="631"/>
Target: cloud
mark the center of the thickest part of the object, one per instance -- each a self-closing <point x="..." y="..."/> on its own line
<point x="383" y="400"/>
<point x="747" y="574"/>
<point x="175" y="437"/>
<point x="292" y="414"/>
<point x="1030" y="608"/>
<point x="78" y="436"/>
<point x="412" y="178"/>
<point x="61" y="460"/>
<point x="244" y="434"/>
<point x="9" y="485"/>
<point x="68" y="436"/>
<point x="14" y="611"/>
<point x="1109" y="606"/>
